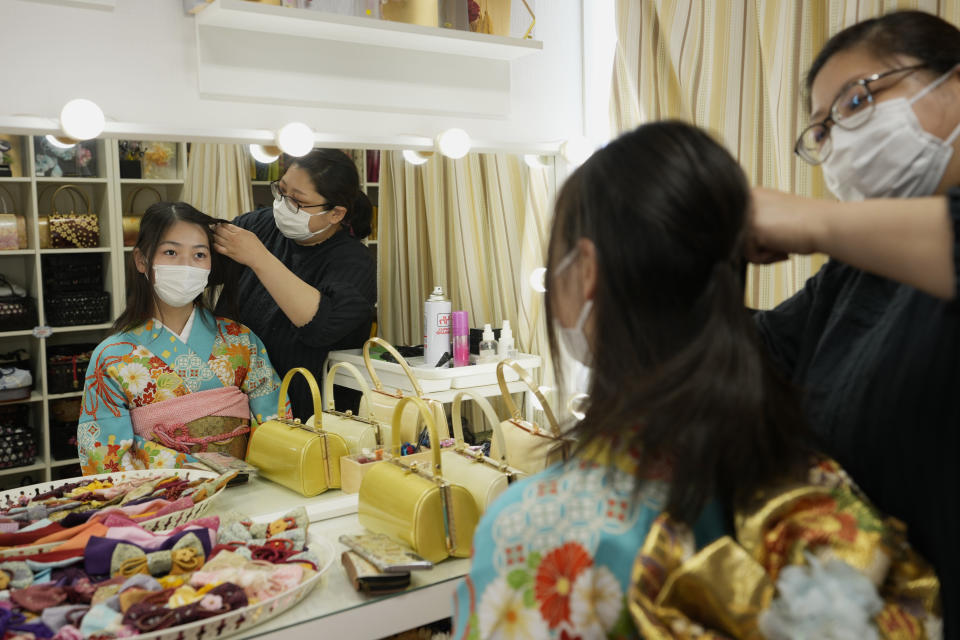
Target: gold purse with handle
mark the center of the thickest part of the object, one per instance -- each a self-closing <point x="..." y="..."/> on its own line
<point x="526" y="445"/>
<point x="381" y="403"/>
<point x="359" y="432"/>
<point x="415" y="503"/>
<point x="484" y="477"/>
<point x="131" y="221"/>
<point x="293" y="454"/>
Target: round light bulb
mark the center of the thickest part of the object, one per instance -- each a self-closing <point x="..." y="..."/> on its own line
<point x="295" y="139"/>
<point x="576" y="150"/>
<point x="60" y="142"/>
<point x="81" y="119"/>
<point x="416" y="157"/>
<point x="454" y="143"/>
<point x="261" y="155"/>
<point x="538" y="279"/>
<point x="535" y="161"/>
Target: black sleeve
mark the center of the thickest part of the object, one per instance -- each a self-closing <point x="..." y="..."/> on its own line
<point x="953" y="207"/>
<point x="782" y="329"/>
<point x="346" y="292"/>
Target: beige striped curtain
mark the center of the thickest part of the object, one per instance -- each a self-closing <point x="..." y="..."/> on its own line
<point x="218" y="180"/>
<point x="476" y="226"/>
<point x="736" y="68"/>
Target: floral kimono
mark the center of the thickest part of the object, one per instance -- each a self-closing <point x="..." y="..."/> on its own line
<point x="581" y="552"/>
<point x="148" y="365"/>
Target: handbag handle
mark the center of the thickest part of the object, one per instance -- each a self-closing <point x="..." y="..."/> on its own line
<point x="488" y="411"/>
<point x="525" y="377"/>
<point x="314" y="391"/>
<point x="3" y="201"/>
<point x="136" y="192"/>
<point x="53" y="206"/>
<point x="431" y="425"/>
<point x="328" y="387"/>
<point x="396" y="354"/>
<point x="70" y="189"/>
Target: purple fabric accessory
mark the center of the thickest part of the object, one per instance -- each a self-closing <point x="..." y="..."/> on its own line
<point x="99" y="551"/>
<point x="15" y="621"/>
<point x="56" y="617"/>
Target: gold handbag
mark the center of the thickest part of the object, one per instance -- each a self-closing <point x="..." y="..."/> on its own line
<point x="526" y="445"/>
<point x="483" y="477"/>
<point x="382" y="403"/>
<point x="13" y="227"/>
<point x="299" y="457"/>
<point x="411" y="503"/>
<point x="69" y="230"/>
<point x="359" y="433"/>
<point x="131" y="221"/>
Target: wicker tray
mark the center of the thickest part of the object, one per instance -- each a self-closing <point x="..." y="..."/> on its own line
<point x="162" y="523"/>
<point x="239" y="621"/>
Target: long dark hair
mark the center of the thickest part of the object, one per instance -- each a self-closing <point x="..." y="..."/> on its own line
<point x="929" y="39"/>
<point x="141" y="297"/>
<point x="335" y="177"/>
<point x="678" y="371"/>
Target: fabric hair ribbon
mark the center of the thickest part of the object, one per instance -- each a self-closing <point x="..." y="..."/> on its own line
<point x="186" y="556"/>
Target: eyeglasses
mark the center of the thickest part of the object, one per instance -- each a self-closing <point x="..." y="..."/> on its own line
<point x="293" y="204"/>
<point x="852" y="107"/>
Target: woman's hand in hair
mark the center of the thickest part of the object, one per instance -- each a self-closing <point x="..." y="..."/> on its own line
<point x="239" y="244"/>
<point x="780" y="224"/>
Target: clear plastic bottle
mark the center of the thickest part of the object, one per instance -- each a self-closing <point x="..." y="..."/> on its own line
<point x="506" y="348"/>
<point x="488" y="346"/>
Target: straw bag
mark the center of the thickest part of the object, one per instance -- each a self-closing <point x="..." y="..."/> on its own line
<point x="526" y="445"/>
<point x="299" y="457"/>
<point x="381" y="403"/>
<point x="13" y="228"/>
<point x="359" y="433"/>
<point x="131" y="221"/>
<point x="408" y="502"/>
<point x="69" y="230"/>
<point x="485" y="478"/>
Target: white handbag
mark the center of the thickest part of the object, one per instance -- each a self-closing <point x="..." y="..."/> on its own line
<point x="484" y="477"/>
<point x="380" y="403"/>
<point x="526" y="445"/>
<point x="359" y="432"/>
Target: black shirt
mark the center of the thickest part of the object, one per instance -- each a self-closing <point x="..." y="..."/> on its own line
<point x="878" y="363"/>
<point x="341" y="269"/>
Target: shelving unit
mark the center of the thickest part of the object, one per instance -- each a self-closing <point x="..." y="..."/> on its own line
<point x="110" y="199"/>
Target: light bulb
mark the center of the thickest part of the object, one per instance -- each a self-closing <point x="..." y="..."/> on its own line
<point x="295" y="139"/>
<point x="61" y="142"/>
<point x="576" y="150"/>
<point x="454" y="143"/>
<point x="81" y="119"/>
<point x="262" y="155"/>
<point x="535" y="161"/>
<point x="538" y="279"/>
<point x="416" y="157"/>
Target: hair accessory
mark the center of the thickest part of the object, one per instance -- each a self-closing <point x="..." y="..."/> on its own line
<point x="187" y="555"/>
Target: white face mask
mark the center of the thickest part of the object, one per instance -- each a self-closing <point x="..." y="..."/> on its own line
<point x="294" y="225"/>
<point x="179" y="285"/>
<point x="890" y="155"/>
<point x="573" y="339"/>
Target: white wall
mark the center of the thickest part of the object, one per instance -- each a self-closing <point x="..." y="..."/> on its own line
<point x="139" y="63"/>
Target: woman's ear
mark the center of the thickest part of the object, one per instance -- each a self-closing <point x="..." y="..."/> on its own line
<point x="588" y="267"/>
<point x="140" y="261"/>
<point x="337" y="214"/>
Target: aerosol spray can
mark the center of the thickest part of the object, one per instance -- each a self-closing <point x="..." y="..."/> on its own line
<point x="436" y="327"/>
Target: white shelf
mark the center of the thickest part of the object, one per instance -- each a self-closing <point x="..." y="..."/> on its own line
<point x="262" y="18"/>
<point x="82" y="327"/>
<point x="260" y="183"/>
<point x="61" y="396"/>
<point x="34" y="397"/>
<point x="18" y="252"/>
<point x="64" y="463"/>
<point x="86" y="250"/>
<point x="36" y="466"/>
<point x="71" y="179"/>
<point x="14" y="179"/>
<point x="16" y="334"/>
<point x="149" y="181"/>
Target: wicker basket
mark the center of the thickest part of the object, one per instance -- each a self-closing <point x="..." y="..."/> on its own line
<point x="16" y="312"/>
<point x="77" y="308"/>
<point x="66" y="274"/>
<point x="67" y="367"/>
<point x="18" y="447"/>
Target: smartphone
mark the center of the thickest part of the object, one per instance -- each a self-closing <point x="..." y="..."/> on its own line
<point x="384" y="553"/>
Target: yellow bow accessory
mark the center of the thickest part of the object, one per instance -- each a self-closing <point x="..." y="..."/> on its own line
<point x="186" y="556"/>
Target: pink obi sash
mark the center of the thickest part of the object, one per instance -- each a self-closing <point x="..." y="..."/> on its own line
<point x="166" y="422"/>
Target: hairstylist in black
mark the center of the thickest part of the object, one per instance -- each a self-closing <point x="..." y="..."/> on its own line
<point x="310" y="285"/>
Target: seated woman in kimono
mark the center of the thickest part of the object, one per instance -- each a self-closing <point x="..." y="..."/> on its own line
<point x="694" y="506"/>
<point x="173" y="378"/>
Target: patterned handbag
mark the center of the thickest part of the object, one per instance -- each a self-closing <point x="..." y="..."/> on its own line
<point x="72" y="230"/>
<point x="67" y="366"/>
<point x="18" y="446"/>
<point x="131" y="221"/>
<point x="17" y="311"/>
<point x="72" y="272"/>
<point x="73" y="309"/>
